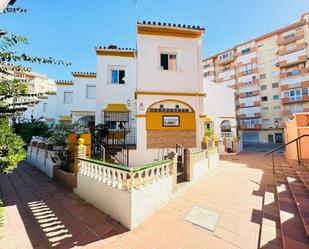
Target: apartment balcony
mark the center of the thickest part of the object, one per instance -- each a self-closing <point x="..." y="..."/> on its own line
<point x="253" y="71"/>
<point x="299" y="81"/>
<point x="246" y="52"/>
<point x="246" y="59"/>
<point x="294" y="58"/>
<point x="225" y="61"/>
<point x="284" y="50"/>
<point x="249" y="83"/>
<point x="250" y="127"/>
<point x="250" y="103"/>
<point x="286" y="101"/>
<point x="282" y="40"/>
<point x="249" y="94"/>
<point x="249" y="115"/>
<point x="226" y="75"/>
<point x="290" y="112"/>
<point x="293" y="73"/>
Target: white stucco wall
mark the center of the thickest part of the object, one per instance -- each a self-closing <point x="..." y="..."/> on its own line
<point x="62" y="108"/>
<point x="220" y="106"/>
<point x="129" y="208"/>
<point x="80" y="100"/>
<point x="41" y="159"/>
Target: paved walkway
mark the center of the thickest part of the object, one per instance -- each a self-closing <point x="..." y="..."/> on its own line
<point x="40" y="214"/>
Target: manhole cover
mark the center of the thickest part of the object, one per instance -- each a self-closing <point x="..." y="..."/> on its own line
<point x="203" y="217"/>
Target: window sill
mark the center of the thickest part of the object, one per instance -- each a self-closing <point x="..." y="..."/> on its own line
<point x="117" y="84"/>
<point x="171" y="71"/>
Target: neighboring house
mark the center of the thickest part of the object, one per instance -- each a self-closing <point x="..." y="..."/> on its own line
<point x="64" y="101"/>
<point x="220" y="110"/>
<point x="270" y="75"/>
<point x="84" y="97"/>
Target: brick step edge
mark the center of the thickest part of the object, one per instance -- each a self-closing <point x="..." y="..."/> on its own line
<point x="278" y="243"/>
<point x="301" y="241"/>
<point x="289" y="171"/>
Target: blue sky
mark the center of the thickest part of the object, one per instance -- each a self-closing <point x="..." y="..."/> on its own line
<point x="70" y="29"/>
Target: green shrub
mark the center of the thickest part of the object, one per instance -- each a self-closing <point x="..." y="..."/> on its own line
<point x="11" y="147"/>
<point x="27" y="130"/>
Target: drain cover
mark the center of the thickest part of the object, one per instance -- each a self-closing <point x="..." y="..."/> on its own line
<point x="203" y="217"/>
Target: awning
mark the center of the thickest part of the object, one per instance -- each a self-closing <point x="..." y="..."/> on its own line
<point x="116" y="108"/>
<point x="83" y="113"/>
<point x="65" y="118"/>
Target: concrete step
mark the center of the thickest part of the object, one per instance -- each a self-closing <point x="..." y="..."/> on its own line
<point x="270" y="233"/>
<point x="293" y="233"/>
<point x="299" y="192"/>
<point x="303" y="174"/>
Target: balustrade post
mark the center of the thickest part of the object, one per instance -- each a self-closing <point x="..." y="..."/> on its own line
<point x="80" y="152"/>
<point x="188" y="165"/>
<point x="173" y="168"/>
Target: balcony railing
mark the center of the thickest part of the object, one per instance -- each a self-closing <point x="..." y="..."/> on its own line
<point x="282" y="40"/>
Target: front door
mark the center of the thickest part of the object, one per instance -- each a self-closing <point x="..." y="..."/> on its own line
<point x="278" y="138"/>
<point x="271" y="138"/>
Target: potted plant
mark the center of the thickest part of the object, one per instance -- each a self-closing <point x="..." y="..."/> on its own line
<point x="59" y="140"/>
<point x="207" y="135"/>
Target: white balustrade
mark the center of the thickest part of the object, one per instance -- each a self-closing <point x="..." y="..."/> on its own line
<point x="124" y="179"/>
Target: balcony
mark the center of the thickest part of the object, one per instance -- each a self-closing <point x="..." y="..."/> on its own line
<point x="249" y="94"/>
<point x="249" y="83"/>
<point x="226" y="75"/>
<point x="246" y="52"/>
<point x="252" y="71"/>
<point x="299" y="46"/>
<point x="282" y="40"/>
<point x="295" y="72"/>
<point x="249" y="115"/>
<point x="299" y="81"/>
<point x="223" y="61"/>
<point x="250" y="127"/>
<point x="304" y="98"/>
<point x="294" y="58"/>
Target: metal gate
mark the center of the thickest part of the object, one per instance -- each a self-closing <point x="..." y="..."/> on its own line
<point x="180" y="150"/>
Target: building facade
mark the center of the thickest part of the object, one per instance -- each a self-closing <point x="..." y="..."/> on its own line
<point x="271" y="79"/>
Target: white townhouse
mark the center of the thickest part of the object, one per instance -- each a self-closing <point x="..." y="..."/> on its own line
<point x="84" y="97"/>
<point x="170" y="92"/>
<point x="64" y="101"/>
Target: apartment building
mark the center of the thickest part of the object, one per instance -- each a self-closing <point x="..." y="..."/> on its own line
<point x="271" y="79"/>
<point x="38" y="84"/>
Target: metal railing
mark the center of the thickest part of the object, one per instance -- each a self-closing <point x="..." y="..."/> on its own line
<point x="122" y="156"/>
<point x="95" y="146"/>
<point x="296" y="140"/>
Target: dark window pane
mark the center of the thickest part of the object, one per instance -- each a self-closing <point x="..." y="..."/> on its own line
<point x="164" y="61"/>
<point x="121" y="76"/>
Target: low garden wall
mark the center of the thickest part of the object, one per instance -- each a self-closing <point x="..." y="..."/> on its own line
<point x="129" y="195"/>
<point x="200" y="162"/>
<point x="41" y="159"/>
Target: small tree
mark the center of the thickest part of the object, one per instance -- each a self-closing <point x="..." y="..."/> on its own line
<point x="14" y="96"/>
<point x="11" y="147"/>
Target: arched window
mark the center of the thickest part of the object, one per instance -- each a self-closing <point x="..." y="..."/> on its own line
<point x="226" y="126"/>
